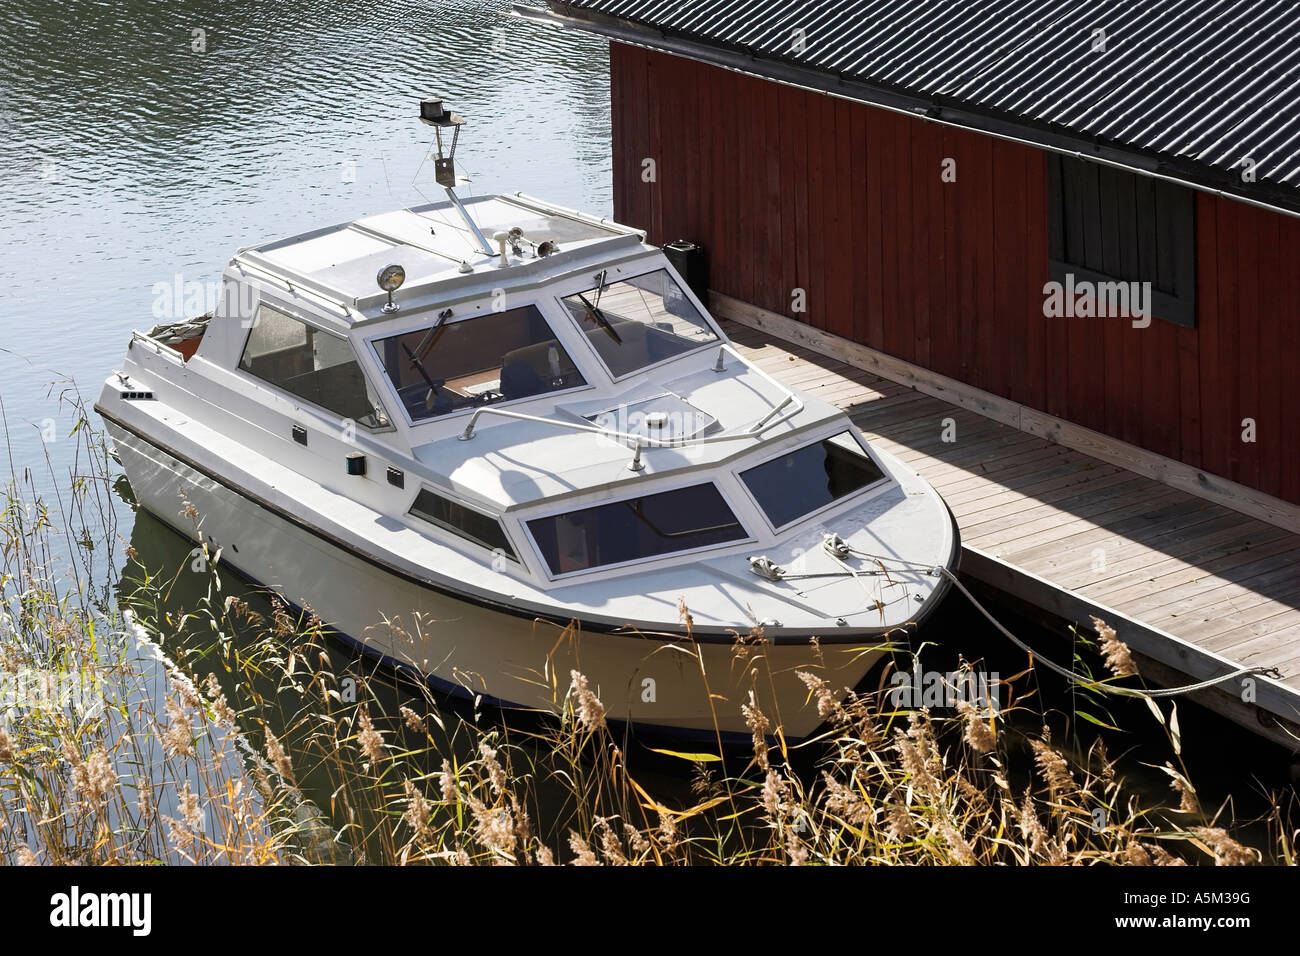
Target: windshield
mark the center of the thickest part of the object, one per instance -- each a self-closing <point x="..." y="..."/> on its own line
<point x="491" y="358"/>
<point x="806" y="479"/>
<point x="621" y="531"/>
<point x="638" y="322"/>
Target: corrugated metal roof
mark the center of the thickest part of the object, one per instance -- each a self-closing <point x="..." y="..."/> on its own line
<point x="1198" y="83"/>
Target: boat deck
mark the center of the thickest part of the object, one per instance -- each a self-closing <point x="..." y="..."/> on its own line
<point x="1195" y="588"/>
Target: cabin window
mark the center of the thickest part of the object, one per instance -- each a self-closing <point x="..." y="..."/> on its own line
<point x="1123" y="229"/>
<point x="809" y="478"/>
<point x="638" y="322"/>
<point x="646" y="527"/>
<point x="466" y="522"/>
<point x="311" y="364"/>
<point x="497" y="357"/>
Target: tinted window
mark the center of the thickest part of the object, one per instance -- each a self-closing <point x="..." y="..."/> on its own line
<point x="463" y="521"/>
<point x="639" y="322"/>
<point x="311" y="364"/>
<point x="809" y="478"/>
<point x="676" y="520"/>
<point x="463" y="364"/>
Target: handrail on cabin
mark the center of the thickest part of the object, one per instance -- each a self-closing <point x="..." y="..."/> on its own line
<point x="775" y="417"/>
<point x="153" y="343"/>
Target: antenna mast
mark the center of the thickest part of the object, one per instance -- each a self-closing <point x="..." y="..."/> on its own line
<point x="433" y="113"/>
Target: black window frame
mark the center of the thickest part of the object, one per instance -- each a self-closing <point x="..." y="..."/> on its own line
<point x="1107" y="224"/>
<point x="504" y="546"/>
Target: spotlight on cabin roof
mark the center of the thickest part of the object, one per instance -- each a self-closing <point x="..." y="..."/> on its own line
<point x="390" y="279"/>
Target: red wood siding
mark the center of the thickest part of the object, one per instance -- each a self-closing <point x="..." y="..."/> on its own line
<point x="795" y="190"/>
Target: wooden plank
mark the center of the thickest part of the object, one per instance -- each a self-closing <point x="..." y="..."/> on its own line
<point x="1225" y="625"/>
<point x="1145" y="544"/>
<point x="875" y="258"/>
<point x="1274" y="363"/>
<point x="887" y="127"/>
<point x="946" y="348"/>
<point x="1028" y="479"/>
<point x="1160" y="578"/>
<point x="1173" y="473"/>
<point x="1273" y="563"/>
<point x="860" y="224"/>
<point x="842" y="267"/>
<point x="1226" y="397"/>
<point x="1118" y="346"/>
<point x="988" y="369"/>
<point x="1189" y="397"/>
<point x="1040" y="364"/>
<point x="777" y="229"/>
<point x="1287" y="303"/>
<point x="1029" y="482"/>
<point x="1118" y="497"/>
<point x="1249" y="370"/>
<point x="1007" y="359"/>
<point x="1019" y="451"/>
<point x="924" y="172"/>
<point x="1269" y="630"/>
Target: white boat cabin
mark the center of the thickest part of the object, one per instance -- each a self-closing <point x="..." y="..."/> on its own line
<point x="564" y="412"/>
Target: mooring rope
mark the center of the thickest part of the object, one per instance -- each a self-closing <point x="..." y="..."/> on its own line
<point x="839" y="549"/>
<point x="1095" y="685"/>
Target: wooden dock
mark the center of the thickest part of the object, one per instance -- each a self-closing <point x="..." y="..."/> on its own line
<point x="1195" y="588"/>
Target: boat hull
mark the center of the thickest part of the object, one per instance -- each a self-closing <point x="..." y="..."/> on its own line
<point x="667" y="682"/>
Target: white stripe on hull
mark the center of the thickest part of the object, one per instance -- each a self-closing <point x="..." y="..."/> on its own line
<point x="651" y="681"/>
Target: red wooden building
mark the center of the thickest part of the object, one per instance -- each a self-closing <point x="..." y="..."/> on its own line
<point x="911" y="179"/>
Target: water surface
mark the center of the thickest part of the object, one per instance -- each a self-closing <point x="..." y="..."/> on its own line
<point x="135" y="151"/>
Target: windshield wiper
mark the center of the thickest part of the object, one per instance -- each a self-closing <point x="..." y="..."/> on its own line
<point x="599" y="316"/>
<point x="428" y="340"/>
<point x="433" y="383"/>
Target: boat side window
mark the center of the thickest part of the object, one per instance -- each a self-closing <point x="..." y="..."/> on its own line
<point x="638" y="322"/>
<point x="465" y="522"/>
<point x="651" y="525"/>
<point x="311" y="364"/>
<point x="806" y="479"/>
<point x="497" y="357"/>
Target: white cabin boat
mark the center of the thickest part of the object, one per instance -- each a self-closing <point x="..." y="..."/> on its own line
<point x="525" y="461"/>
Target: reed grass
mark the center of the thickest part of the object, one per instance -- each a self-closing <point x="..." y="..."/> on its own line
<point x="211" y="754"/>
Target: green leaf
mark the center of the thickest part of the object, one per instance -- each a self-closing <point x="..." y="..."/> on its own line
<point x="1100" y="723"/>
<point x="693" y="758"/>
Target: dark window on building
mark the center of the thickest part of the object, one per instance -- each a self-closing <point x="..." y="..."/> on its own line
<point x="1109" y="225"/>
<point x="645" y="527"/>
<point x="808" y="478"/>
<point x="466" y="522"/>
